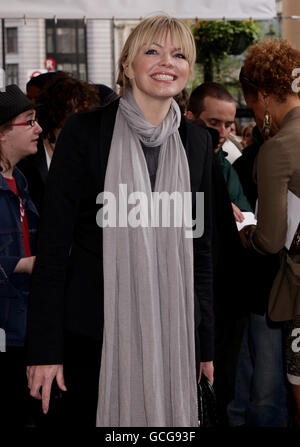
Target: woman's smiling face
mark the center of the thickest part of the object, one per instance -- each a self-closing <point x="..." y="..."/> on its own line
<point x="159" y="70"/>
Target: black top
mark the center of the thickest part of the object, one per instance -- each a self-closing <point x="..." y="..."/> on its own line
<point x="152" y="156"/>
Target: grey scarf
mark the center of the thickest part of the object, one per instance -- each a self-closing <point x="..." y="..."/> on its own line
<point x="148" y="375"/>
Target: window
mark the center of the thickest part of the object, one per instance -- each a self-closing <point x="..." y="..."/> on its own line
<point x="49" y="40"/>
<point x="66" y="44"/>
<point x="11" y="40"/>
<point x="81" y="40"/>
<point x="12" y="74"/>
<point x="66" y="40"/>
<point x="73" y="69"/>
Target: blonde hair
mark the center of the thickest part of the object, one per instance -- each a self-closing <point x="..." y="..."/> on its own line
<point x="154" y="29"/>
<point x="249" y="126"/>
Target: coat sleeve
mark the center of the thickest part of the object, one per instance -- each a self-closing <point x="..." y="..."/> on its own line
<point x="199" y="152"/>
<point x="7" y="267"/>
<point x="274" y="171"/>
<point x="234" y="187"/>
<point x="203" y="274"/>
<point x="61" y="205"/>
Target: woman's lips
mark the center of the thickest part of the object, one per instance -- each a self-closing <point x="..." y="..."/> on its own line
<point x="164" y="76"/>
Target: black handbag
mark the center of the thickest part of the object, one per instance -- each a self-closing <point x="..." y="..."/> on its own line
<point x="207" y="404"/>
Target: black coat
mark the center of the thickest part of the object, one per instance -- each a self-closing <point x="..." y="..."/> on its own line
<point x="67" y="283"/>
<point x="229" y="257"/>
<point x="35" y="170"/>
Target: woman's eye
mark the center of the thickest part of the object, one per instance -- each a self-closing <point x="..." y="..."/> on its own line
<point x="151" y="51"/>
<point x="180" y="55"/>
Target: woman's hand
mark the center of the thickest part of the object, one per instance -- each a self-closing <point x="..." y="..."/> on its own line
<point x="207" y="368"/>
<point x="40" y="380"/>
<point x="25" y="265"/>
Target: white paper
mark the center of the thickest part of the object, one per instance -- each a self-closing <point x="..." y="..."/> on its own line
<point x="293" y="217"/>
<point x="249" y="220"/>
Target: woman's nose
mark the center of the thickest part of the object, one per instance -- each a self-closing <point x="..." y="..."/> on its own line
<point x="166" y="59"/>
<point x="38" y="128"/>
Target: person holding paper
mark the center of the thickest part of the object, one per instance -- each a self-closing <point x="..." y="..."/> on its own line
<point x="270" y="85"/>
<point x="211" y="105"/>
<point x="214" y="105"/>
<point x="260" y="396"/>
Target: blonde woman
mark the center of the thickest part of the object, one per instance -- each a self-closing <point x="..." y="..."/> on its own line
<point x="133" y="292"/>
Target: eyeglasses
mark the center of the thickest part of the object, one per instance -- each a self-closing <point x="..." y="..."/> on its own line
<point x="26" y="123"/>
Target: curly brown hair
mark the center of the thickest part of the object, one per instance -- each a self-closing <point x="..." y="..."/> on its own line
<point x="62" y="97"/>
<point x="268" y="68"/>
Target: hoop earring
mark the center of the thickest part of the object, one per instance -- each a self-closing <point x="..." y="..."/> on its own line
<point x="267" y="124"/>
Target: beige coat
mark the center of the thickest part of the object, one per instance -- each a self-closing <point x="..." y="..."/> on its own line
<point x="278" y="170"/>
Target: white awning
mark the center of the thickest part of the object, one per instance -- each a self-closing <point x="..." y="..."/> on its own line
<point x="135" y="9"/>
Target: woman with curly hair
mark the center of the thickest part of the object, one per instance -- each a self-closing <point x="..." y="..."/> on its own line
<point x="268" y="82"/>
<point x="61" y="96"/>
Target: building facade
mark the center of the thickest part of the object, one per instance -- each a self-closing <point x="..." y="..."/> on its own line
<point x="87" y="49"/>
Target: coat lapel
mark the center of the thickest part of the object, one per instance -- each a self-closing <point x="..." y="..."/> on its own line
<point x="104" y="138"/>
<point x="40" y="162"/>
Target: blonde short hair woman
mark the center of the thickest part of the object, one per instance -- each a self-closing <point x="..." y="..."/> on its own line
<point x="141" y="296"/>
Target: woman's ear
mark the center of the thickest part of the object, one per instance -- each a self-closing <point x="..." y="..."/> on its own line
<point x="263" y="98"/>
<point x="128" y="70"/>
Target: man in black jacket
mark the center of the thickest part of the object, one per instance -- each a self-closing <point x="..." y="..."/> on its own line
<point x="211" y="104"/>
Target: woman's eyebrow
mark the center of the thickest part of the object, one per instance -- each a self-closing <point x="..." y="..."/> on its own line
<point x="30" y="113"/>
<point x="160" y="46"/>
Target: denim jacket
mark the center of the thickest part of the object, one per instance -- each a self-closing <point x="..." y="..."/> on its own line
<point x="14" y="287"/>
